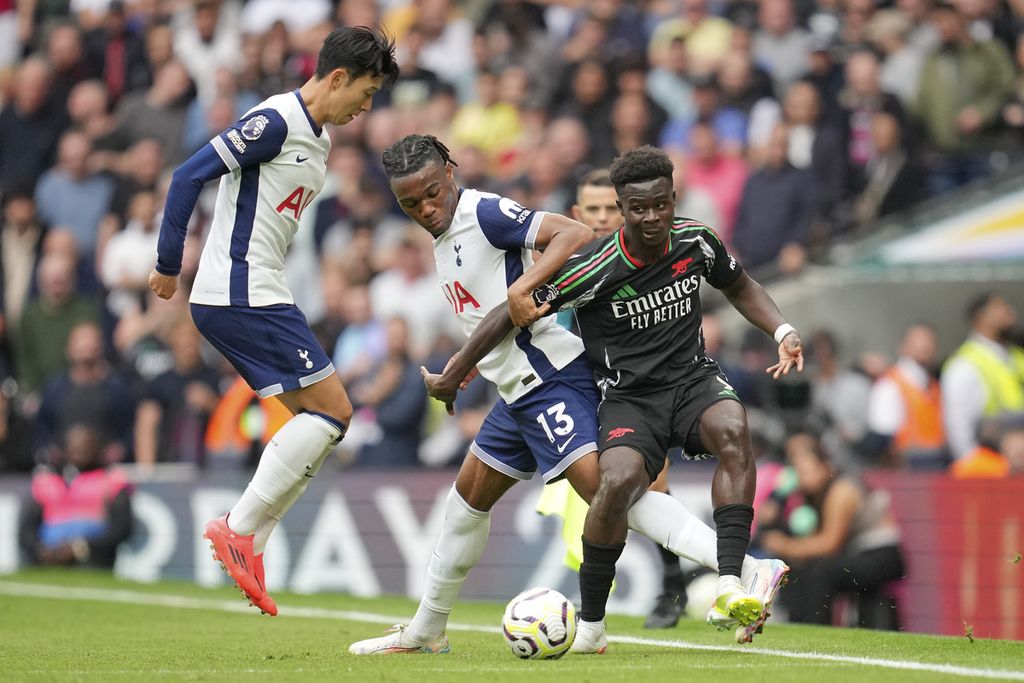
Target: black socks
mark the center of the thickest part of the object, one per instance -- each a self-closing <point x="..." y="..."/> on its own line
<point x="596" y="575"/>
<point x="732" y="523"/>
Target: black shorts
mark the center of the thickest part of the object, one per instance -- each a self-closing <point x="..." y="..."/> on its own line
<point x="653" y="423"/>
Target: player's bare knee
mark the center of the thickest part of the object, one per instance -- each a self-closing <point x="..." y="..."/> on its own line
<point x="343" y="411"/>
<point x="621" y="484"/>
<point x="340" y="410"/>
<point x="727" y="435"/>
<point x="327" y="397"/>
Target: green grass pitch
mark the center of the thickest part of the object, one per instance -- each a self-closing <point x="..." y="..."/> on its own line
<point x="60" y="626"/>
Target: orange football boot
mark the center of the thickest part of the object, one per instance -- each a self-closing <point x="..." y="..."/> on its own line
<point x="267" y="604"/>
<point x="235" y="554"/>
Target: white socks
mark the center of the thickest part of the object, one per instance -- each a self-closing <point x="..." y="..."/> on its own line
<point x="729" y="584"/>
<point x="278" y="510"/>
<point x="666" y="521"/>
<point x="458" y="548"/>
<point x="291" y="459"/>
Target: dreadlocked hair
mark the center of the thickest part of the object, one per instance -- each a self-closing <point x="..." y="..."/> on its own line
<point x="413" y="152"/>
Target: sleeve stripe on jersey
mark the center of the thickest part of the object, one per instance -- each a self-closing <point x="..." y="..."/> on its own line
<point x="585" y="271"/>
<point x="225" y="154"/>
<point x="531" y="233"/>
<point x="608" y="247"/>
<point x="694" y="226"/>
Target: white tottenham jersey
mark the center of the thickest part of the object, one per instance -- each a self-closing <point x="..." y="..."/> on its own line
<point x="277" y="158"/>
<point x="487" y="247"/>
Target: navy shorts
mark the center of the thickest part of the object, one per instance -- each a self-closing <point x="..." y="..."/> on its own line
<point x="272" y="347"/>
<point x="549" y="428"/>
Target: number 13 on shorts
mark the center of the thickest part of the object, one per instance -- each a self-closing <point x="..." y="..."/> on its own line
<point x="563" y="422"/>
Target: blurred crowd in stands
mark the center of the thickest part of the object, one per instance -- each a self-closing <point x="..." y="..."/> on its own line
<point x="791" y="122"/>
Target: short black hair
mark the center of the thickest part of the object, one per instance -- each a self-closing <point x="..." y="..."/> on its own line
<point x="978" y="304"/>
<point x="361" y="50"/>
<point x="639" y="166"/>
<point x="599" y="177"/>
<point x="412" y="153"/>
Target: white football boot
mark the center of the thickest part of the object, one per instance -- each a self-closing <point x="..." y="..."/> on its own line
<point x="768" y="577"/>
<point x="591" y="638"/>
<point x="396" y="642"/>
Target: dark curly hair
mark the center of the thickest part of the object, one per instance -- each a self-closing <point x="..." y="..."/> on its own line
<point x="639" y="166"/>
<point x="412" y="153"/>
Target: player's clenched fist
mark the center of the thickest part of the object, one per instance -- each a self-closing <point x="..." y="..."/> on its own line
<point x="164" y="285"/>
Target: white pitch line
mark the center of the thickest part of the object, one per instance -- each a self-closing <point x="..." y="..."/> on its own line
<point x="178" y="601"/>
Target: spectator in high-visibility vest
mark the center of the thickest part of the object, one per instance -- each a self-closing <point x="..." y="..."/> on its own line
<point x="984" y="378"/>
<point x="905" y="408"/>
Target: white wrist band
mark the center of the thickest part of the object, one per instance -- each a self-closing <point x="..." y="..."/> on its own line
<point x="782" y="330"/>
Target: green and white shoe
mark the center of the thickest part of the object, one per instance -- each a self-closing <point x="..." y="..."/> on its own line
<point x="768" y="577"/>
<point x="734" y="609"/>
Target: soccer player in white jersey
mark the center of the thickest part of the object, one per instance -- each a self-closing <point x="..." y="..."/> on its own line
<point x="271" y="164"/>
<point x="546" y="417"/>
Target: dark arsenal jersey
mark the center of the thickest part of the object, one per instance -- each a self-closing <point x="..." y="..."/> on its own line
<point x="641" y="324"/>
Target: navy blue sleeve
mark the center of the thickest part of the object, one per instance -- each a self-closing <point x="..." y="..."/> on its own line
<point x="506" y="224"/>
<point x="255" y="138"/>
<point x="186" y="184"/>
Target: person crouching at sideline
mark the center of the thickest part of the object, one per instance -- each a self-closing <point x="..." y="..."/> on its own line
<point x="78" y="514"/>
<point x="852" y="548"/>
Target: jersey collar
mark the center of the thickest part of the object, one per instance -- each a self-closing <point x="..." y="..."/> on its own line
<point x="317" y="130"/>
<point x="621" y="239"/>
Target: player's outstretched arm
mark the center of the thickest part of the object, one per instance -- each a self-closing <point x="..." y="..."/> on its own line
<point x="749" y="298"/>
<point x="558" y="238"/>
<point x="186" y="184"/>
<point x="488" y="334"/>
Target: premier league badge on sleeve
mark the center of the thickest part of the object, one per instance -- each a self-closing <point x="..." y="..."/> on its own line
<point x="544" y="294"/>
<point x="254" y="127"/>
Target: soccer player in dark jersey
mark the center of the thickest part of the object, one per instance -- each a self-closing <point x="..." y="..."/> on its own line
<point x="546" y="417"/>
<point x="597" y="207"/>
<point x="637" y="300"/>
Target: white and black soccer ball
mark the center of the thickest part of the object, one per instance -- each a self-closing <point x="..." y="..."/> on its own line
<point x="539" y="623"/>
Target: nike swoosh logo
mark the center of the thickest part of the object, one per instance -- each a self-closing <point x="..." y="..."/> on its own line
<point x="561" y="449"/>
<point x="299" y="158"/>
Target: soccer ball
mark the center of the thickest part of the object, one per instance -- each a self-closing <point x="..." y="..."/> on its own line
<point x="539" y="623"/>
